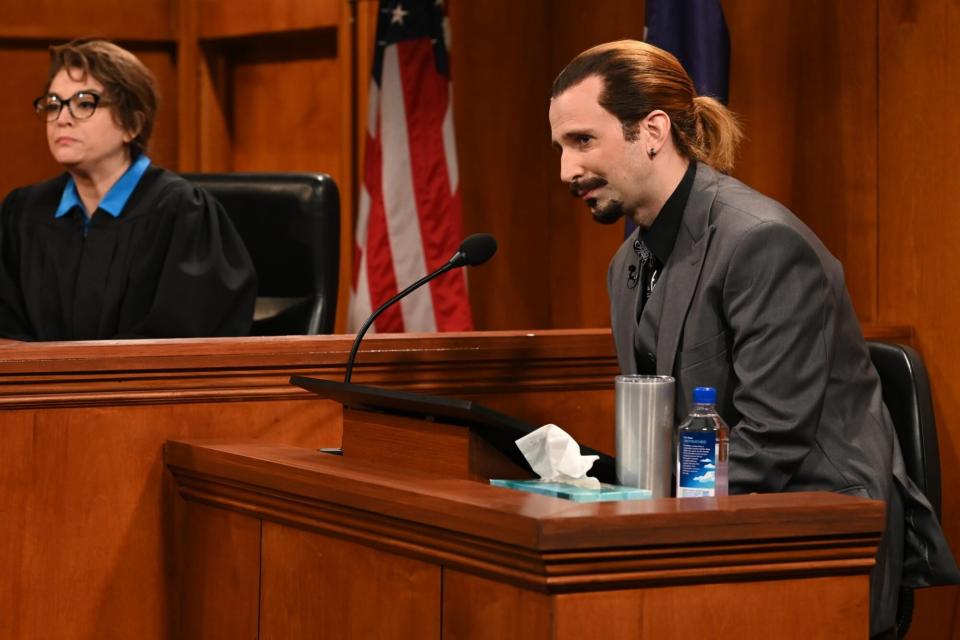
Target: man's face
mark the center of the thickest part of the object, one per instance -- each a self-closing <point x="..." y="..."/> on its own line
<point x="600" y="165"/>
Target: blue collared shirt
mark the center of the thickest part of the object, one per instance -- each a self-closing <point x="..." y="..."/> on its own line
<point x="116" y="197"/>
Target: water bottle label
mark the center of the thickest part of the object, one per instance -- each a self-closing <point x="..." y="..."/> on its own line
<point x="697" y="464"/>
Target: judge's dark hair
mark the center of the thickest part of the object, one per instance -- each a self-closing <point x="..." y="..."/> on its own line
<point x="639" y="78"/>
<point x="129" y="86"/>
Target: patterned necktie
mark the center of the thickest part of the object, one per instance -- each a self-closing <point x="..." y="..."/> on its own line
<point x="646" y="274"/>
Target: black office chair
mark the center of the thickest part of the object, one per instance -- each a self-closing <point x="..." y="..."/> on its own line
<point x="290" y="223"/>
<point x="906" y="392"/>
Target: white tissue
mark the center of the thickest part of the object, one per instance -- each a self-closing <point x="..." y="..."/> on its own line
<point x="555" y="457"/>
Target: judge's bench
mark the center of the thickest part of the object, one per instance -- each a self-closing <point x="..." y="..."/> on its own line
<point x="175" y="489"/>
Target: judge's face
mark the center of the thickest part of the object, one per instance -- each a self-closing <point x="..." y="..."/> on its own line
<point x="85" y="144"/>
<point x="601" y="166"/>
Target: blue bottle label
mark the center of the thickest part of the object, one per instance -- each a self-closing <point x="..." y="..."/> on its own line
<point x="697" y="464"/>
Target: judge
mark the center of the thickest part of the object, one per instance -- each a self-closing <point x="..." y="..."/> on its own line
<point x="116" y="247"/>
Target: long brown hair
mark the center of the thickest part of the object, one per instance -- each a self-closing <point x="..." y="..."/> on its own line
<point x="639" y="78"/>
<point x="128" y="84"/>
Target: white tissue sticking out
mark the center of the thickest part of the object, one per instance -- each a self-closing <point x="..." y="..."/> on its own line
<point x="555" y="457"/>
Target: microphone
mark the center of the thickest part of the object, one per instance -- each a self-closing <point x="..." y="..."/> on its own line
<point x="473" y="251"/>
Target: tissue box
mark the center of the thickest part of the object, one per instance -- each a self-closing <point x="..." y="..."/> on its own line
<point x="605" y="493"/>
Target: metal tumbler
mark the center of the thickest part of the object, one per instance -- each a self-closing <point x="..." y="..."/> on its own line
<point x="645" y="432"/>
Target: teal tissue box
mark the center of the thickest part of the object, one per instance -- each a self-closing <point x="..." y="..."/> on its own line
<point x="606" y="492"/>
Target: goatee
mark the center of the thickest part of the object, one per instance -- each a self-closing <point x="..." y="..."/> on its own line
<point x="609" y="214"/>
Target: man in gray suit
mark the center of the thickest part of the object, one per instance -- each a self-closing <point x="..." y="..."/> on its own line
<point x="721" y="286"/>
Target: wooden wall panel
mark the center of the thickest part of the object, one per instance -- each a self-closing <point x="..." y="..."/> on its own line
<point x="218" y="19"/>
<point x="222" y="603"/>
<point x="285" y="107"/>
<point x="285" y="112"/>
<point x="919" y="278"/>
<point x="551" y="265"/>
<point x="397" y="598"/>
<point x="63" y="20"/>
<point x="161" y="60"/>
<point x="504" y="153"/>
<point x="26" y="158"/>
<point x="477" y="608"/>
<point x="663" y="613"/>
<point x="667" y="614"/>
<point x="803" y="78"/>
<point x="91" y="501"/>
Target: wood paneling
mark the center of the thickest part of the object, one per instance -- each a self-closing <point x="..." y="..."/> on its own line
<point x="823" y="608"/>
<point x="526" y="539"/>
<point x="803" y="78"/>
<point x="61" y="20"/>
<point x="229" y="544"/>
<point x="276" y="129"/>
<point x="310" y="589"/>
<point x="848" y="109"/>
<point x="551" y="265"/>
<point x="476" y="608"/>
<point x="219" y="19"/>
<point x="84" y="502"/>
<point x="278" y="102"/>
<point x="503" y="149"/>
<point x="522" y="565"/>
<point x="919" y="146"/>
<point x="161" y="60"/>
<point x="84" y="509"/>
<point x="26" y="156"/>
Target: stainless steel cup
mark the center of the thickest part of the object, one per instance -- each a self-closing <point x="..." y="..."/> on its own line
<point x="645" y="432"/>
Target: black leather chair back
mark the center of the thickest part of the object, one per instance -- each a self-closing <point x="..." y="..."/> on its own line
<point x="906" y="392"/>
<point x="290" y="223"/>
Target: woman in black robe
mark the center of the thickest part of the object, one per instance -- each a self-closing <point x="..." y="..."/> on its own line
<point x="115" y="247"/>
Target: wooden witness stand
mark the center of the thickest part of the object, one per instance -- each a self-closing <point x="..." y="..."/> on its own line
<point x="283" y="542"/>
<point x="397" y="539"/>
<point x="93" y="521"/>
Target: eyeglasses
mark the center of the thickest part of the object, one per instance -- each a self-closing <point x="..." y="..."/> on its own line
<point x="82" y="105"/>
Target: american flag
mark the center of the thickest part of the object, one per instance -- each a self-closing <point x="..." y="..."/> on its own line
<point x="409" y="221"/>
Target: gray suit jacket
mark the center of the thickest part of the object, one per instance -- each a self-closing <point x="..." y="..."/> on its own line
<point x="751" y="302"/>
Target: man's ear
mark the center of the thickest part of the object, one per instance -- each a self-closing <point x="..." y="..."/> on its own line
<point x="657" y="127"/>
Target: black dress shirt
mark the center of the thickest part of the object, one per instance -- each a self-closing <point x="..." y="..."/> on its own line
<point x="662" y="235"/>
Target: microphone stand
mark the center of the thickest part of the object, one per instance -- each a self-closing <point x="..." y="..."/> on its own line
<point x="452" y="264"/>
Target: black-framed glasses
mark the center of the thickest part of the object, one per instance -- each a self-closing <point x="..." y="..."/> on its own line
<point x="82" y="105"/>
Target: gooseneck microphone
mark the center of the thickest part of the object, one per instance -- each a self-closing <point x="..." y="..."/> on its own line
<point x="473" y="251"/>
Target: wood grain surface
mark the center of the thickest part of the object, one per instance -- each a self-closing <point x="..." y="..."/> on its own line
<point x="523" y="565"/>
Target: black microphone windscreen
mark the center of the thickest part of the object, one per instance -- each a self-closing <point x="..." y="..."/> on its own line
<point x="477" y="249"/>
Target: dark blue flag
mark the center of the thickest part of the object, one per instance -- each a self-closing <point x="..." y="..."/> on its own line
<point x="695" y="32"/>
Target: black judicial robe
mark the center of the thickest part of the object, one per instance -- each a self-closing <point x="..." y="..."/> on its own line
<point x="171" y="265"/>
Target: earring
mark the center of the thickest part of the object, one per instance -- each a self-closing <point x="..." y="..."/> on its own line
<point x="652" y="152"/>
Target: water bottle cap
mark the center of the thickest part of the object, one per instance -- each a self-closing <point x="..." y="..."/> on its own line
<point x="704" y="395"/>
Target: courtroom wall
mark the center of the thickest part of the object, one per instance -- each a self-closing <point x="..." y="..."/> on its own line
<point x="849" y="110"/>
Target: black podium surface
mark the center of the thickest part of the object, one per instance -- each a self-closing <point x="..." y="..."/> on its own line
<point x="499" y="429"/>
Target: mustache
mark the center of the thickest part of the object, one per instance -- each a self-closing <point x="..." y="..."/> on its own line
<point x="580" y="187"/>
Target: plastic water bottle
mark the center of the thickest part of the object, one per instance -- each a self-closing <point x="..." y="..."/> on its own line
<point x="702" y="448"/>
